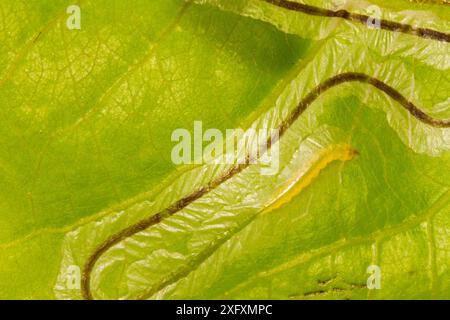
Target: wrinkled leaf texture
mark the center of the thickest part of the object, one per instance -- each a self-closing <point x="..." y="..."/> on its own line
<point x="86" y="120"/>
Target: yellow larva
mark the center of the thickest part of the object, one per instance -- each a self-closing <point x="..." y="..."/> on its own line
<point x="284" y="194"/>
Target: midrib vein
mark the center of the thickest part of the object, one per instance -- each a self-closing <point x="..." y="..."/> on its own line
<point x="303" y="105"/>
<point x="388" y="25"/>
<point x="263" y="107"/>
<point x="331" y="154"/>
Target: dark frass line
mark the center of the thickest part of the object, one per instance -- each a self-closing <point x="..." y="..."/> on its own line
<point x="344" y="14"/>
<point x="284" y="126"/>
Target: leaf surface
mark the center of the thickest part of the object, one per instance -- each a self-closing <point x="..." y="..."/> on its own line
<point x="91" y="112"/>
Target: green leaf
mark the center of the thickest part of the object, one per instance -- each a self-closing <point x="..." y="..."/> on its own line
<point x="91" y="111"/>
<point x="87" y="114"/>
